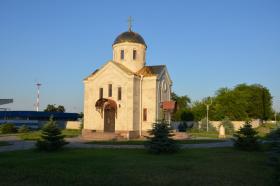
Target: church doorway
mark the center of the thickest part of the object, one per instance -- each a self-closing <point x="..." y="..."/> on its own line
<point x="109" y="119"/>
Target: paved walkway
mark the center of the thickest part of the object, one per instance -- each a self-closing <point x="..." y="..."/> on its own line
<point x="17" y="144"/>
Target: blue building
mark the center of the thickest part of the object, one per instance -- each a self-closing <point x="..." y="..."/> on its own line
<point x="35" y="119"/>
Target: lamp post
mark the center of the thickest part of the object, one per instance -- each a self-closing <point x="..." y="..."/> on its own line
<point x="207" y="113"/>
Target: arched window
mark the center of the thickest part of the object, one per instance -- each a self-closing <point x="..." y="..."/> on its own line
<point x="122" y="54"/>
<point x="100" y="93"/>
<point x="134" y="54"/>
<point x="110" y="90"/>
<point x="145" y="114"/>
<point x="119" y="93"/>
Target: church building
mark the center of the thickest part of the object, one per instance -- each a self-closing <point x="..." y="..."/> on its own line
<point x="125" y="97"/>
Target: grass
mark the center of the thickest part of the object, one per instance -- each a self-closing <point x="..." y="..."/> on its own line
<point x="205" y="135"/>
<point x="262" y="130"/>
<point x="4" y="143"/>
<point x="223" y="166"/>
<point x="35" y="135"/>
<point x="70" y="133"/>
<point x="142" y="142"/>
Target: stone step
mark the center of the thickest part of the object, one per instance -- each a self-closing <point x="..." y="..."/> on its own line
<point x="91" y="135"/>
<point x="180" y="135"/>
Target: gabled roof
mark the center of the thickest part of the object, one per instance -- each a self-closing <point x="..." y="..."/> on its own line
<point x="119" y="65"/>
<point x="92" y="74"/>
<point x="125" y="69"/>
<point x="148" y="71"/>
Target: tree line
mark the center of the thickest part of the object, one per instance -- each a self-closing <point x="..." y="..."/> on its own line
<point x="239" y="103"/>
<point x="54" y="108"/>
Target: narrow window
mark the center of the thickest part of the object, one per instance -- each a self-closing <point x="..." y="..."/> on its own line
<point x="122" y="54"/>
<point x="134" y="54"/>
<point x="110" y="90"/>
<point x="100" y="93"/>
<point x="120" y="93"/>
<point x="144" y="114"/>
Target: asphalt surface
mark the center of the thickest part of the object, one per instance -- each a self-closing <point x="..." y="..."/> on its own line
<point x="17" y="144"/>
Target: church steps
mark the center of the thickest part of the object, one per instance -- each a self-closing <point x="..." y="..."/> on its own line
<point x="91" y="135"/>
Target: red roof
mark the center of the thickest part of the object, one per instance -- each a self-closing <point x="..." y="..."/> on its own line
<point x="168" y="105"/>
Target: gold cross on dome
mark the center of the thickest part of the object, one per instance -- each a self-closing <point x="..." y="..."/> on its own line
<point x="129" y="23"/>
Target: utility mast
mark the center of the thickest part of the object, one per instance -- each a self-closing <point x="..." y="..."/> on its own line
<point x="38" y="96"/>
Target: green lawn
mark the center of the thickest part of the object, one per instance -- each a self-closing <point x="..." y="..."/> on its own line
<point x="35" y="135"/>
<point x="223" y="166"/>
<point x="205" y="135"/>
<point x="4" y="143"/>
<point x="142" y="142"/>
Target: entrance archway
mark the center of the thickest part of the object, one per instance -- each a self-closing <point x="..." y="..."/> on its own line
<point x="109" y="119"/>
<point x="109" y="108"/>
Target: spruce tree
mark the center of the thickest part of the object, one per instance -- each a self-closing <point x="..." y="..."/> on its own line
<point x="246" y="138"/>
<point x="160" y="140"/>
<point x="51" y="137"/>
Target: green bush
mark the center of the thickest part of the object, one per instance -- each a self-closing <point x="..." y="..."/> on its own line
<point x="246" y="138"/>
<point x="82" y="124"/>
<point x="8" y="128"/>
<point x="23" y="129"/>
<point x="182" y="127"/>
<point x="51" y="137"/>
<point x="161" y="141"/>
<point x="187" y="115"/>
<point x="265" y="129"/>
<point x="228" y="125"/>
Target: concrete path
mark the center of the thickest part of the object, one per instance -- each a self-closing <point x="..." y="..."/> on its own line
<point x="17" y="144"/>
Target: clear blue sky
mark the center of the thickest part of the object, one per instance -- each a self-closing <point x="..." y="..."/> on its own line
<point x="206" y="45"/>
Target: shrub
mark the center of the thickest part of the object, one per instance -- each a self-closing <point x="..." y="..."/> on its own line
<point x="182" y="127"/>
<point x="82" y="124"/>
<point x="229" y="129"/>
<point x="23" y="129"/>
<point x="161" y="141"/>
<point x="187" y="115"/>
<point x="265" y="129"/>
<point x="8" y="128"/>
<point x="246" y="138"/>
<point x="51" y="137"/>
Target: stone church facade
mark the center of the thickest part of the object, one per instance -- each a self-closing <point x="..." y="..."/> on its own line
<point x="125" y="97"/>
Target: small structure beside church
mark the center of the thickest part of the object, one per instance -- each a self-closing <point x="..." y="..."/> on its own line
<point x="222" y="132"/>
<point x="125" y="97"/>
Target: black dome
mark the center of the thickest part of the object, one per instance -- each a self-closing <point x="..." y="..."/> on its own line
<point x="130" y="36"/>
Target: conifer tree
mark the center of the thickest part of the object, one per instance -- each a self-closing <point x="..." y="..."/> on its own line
<point x="246" y="138"/>
<point x="51" y="137"/>
<point x="160" y="140"/>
